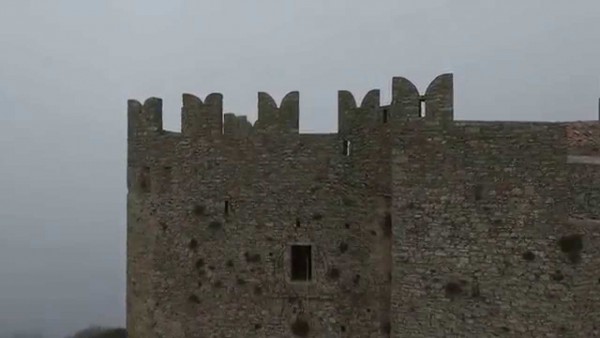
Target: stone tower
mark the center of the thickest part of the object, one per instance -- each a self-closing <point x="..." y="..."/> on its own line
<point x="404" y="223"/>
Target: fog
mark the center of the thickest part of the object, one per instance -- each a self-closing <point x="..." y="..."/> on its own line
<point x="67" y="68"/>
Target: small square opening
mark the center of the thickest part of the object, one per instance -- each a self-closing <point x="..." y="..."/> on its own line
<point x="301" y="261"/>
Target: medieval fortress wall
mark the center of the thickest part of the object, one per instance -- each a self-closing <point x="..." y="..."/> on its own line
<point x="405" y="223"/>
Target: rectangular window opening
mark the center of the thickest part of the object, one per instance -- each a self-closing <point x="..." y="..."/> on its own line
<point x="385" y="116"/>
<point x="144" y="180"/>
<point x="387" y="221"/>
<point x="301" y="261"/>
<point x="422" y="108"/>
<point x="387" y="225"/>
<point x="346" y="148"/>
<point x="226" y="208"/>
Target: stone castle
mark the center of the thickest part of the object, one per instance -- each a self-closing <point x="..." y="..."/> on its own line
<point x="404" y="223"/>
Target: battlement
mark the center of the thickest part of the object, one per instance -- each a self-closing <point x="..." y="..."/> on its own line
<point x="205" y="118"/>
<point x="240" y="229"/>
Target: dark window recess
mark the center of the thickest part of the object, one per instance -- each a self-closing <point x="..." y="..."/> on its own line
<point x="301" y="262"/>
<point x="144" y="181"/>
<point x="226" y="208"/>
<point x="385" y="116"/>
<point x="346" y="148"/>
<point x="387" y="225"/>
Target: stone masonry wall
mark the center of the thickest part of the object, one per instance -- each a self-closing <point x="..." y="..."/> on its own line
<point x="420" y="226"/>
<point x="195" y="270"/>
<point x="483" y="242"/>
<point x="583" y="279"/>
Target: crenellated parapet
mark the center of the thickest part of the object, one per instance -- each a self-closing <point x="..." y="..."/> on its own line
<point x="236" y="126"/>
<point x="406" y="100"/>
<point x="353" y="117"/>
<point x="282" y="119"/>
<point x="204" y="118"/>
<point x="439" y="98"/>
<point x="144" y="119"/>
<point x="407" y="103"/>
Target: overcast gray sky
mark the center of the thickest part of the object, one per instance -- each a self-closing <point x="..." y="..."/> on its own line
<point x="67" y="68"/>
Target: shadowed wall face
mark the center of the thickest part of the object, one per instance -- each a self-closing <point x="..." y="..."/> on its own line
<point x="492" y="234"/>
